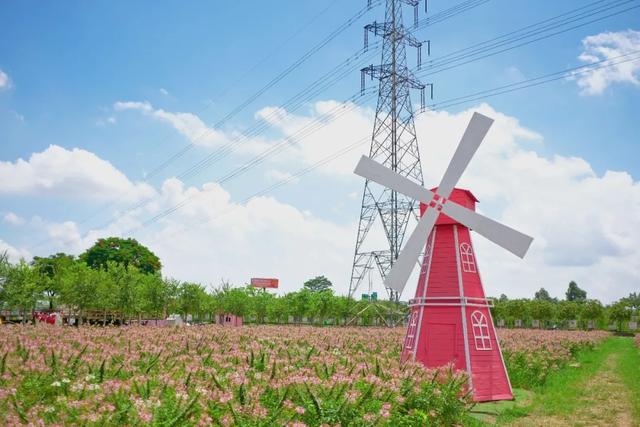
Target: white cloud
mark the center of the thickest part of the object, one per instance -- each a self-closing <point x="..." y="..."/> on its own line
<point x="12" y="219"/>
<point x="164" y="91"/>
<point x="303" y="138"/>
<point x="187" y="124"/>
<point x="78" y="173"/>
<point x="107" y="121"/>
<point x="583" y="223"/>
<point x="276" y="175"/>
<point x="5" y="82"/>
<point x="606" y="47"/>
<point x="14" y="254"/>
<point x="213" y="238"/>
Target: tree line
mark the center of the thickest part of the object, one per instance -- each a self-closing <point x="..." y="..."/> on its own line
<point x="553" y="312"/>
<point x="120" y="280"/>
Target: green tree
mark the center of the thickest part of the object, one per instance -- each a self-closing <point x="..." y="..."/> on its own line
<point x="591" y="310"/>
<point x="300" y="303"/>
<point x="633" y="301"/>
<point x="568" y="310"/>
<point x="543" y="295"/>
<point x="127" y="281"/>
<point x="278" y="310"/>
<point x="574" y="293"/>
<point x="20" y="290"/>
<point x="260" y="301"/>
<point x="192" y="299"/>
<point x="320" y="304"/>
<point x="51" y="271"/>
<point x="318" y="284"/>
<point x="516" y="309"/>
<point x="619" y="312"/>
<point x="121" y="251"/>
<point x="80" y="288"/>
<point x="155" y="296"/>
<point x="542" y="310"/>
<point x="236" y="301"/>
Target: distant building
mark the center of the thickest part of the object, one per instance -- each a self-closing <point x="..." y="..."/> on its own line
<point x="229" y="320"/>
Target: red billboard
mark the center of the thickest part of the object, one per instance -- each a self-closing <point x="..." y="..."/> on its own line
<point x="264" y="283"/>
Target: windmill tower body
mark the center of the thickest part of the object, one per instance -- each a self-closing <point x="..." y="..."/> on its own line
<point x="450" y="320"/>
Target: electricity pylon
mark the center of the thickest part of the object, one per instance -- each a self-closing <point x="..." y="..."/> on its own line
<point x="394" y="144"/>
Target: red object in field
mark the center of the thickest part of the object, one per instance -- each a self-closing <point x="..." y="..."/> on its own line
<point x="264" y="283"/>
<point x="229" y="320"/>
<point x="450" y="321"/>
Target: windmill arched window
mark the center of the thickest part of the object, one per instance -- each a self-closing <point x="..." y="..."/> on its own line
<point x="411" y="331"/>
<point x="481" y="335"/>
<point x="467" y="258"/>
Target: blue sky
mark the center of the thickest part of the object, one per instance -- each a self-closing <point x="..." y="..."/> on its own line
<point x="69" y="63"/>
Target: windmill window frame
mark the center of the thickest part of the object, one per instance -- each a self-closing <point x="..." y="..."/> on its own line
<point x="467" y="258"/>
<point x="411" y="331"/>
<point x="481" y="333"/>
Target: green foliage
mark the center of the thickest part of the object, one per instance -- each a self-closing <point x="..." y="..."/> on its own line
<point x="127" y="252"/>
<point x="574" y="293"/>
<point x="50" y="272"/>
<point x="619" y="312"/>
<point x="318" y="284"/>
<point x="543" y="295"/>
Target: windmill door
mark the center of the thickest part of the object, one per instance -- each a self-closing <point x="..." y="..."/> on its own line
<point x="440" y="344"/>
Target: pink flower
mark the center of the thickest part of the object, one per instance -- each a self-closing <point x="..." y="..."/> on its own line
<point x="300" y="410"/>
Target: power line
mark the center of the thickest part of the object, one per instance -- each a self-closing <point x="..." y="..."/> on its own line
<point x="547" y="78"/>
<point x="308" y="54"/>
<point x="317" y="87"/>
<point x="435" y="66"/>
<point x="274" y="150"/>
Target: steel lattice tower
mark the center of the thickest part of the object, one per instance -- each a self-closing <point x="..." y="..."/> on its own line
<point x="394" y="144"/>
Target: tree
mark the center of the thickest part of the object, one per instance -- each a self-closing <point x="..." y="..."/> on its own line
<point x="574" y="293"/>
<point x="542" y="310"/>
<point x="619" y="312"/>
<point x="568" y="310"/>
<point x="236" y="301"/>
<point x="633" y="301"/>
<point x="127" y="282"/>
<point x="20" y="289"/>
<point x="543" y="295"/>
<point x="80" y="288"/>
<point x="155" y="295"/>
<point x="51" y="271"/>
<point x="318" y="284"/>
<point x="121" y="251"/>
<point x="320" y="304"/>
<point x="191" y="299"/>
<point x="591" y="310"/>
<point x="300" y="303"/>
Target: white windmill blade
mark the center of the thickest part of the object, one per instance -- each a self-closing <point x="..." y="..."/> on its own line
<point x="406" y="262"/>
<point x="473" y="136"/>
<point x="374" y="171"/>
<point x="510" y="239"/>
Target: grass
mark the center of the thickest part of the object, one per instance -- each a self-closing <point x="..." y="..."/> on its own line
<point x="566" y="391"/>
<point x="629" y="370"/>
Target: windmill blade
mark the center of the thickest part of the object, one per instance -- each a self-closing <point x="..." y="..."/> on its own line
<point x="406" y="262"/>
<point x="374" y="171"/>
<point x="510" y="239"/>
<point x="473" y="136"/>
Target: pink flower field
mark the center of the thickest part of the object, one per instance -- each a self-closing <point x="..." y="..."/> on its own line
<point x="252" y="376"/>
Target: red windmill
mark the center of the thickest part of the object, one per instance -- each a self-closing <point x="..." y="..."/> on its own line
<point x="450" y="320"/>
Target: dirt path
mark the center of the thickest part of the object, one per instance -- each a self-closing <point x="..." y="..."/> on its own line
<point x="600" y="400"/>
